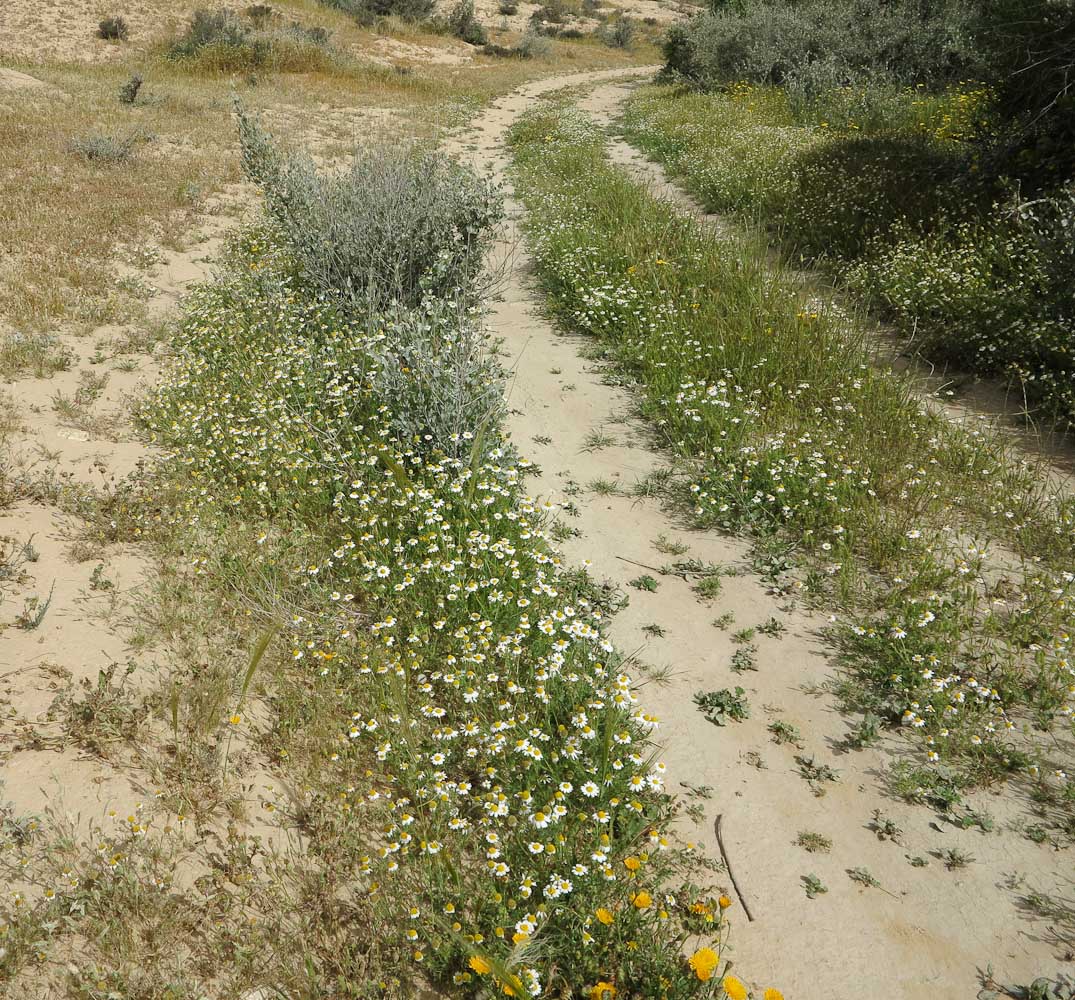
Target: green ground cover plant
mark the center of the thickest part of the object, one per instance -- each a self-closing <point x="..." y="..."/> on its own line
<point x="949" y="556"/>
<point x="886" y="189"/>
<point x="915" y="150"/>
<point x="471" y="771"/>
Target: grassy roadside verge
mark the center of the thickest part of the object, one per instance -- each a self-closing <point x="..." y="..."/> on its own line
<point x="949" y="558"/>
<point x="890" y="190"/>
<point x="374" y="625"/>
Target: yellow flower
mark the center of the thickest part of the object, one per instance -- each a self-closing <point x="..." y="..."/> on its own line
<point x="725" y="902"/>
<point x="605" y="916"/>
<point x="603" y="991"/>
<point x="734" y="988"/>
<point x="480" y="965"/>
<point x="773" y="994"/>
<point x="704" y="963"/>
<point x="632" y="864"/>
<point x="642" y="900"/>
<point x="518" y="937"/>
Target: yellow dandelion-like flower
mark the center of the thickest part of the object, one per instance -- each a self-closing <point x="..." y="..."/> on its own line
<point x="734" y="988"/>
<point x="603" y="991"/>
<point x="632" y="864"/>
<point x="773" y="994"/>
<point x="642" y="900"/>
<point x="725" y="902"/>
<point x="703" y="963"/>
<point x="479" y="965"/>
<point x="605" y="916"/>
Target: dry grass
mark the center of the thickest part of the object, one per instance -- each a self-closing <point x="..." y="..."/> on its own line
<point x="62" y="212"/>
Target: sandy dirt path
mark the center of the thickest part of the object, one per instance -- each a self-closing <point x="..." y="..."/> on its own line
<point x="928" y="930"/>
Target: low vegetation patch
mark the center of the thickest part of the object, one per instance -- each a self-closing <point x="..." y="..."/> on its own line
<point x="472" y="774"/>
<point x="222" y="41"/>
<point x="914" y="151"/>
<point x="884" y="189"/>
<point x="950" y="557"/>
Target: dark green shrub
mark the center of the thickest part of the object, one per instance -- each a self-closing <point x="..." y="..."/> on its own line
<point x="617" y="33"/>
<point x="128" y="93"/>
<point x="553" y="12"/>
<point x="259" y="13"/>
<point x="1028" y="54"/>
<point x="210" y="28"/>
<point x="366" y="11"/>
<point x="995" y="294"/>
<point x="464" y="25"/>
<point x="114" y="29"/>
<point x="771" y="42"/>
<point x="847" y="193"/>
<point x="508" y="9"/>
<point x="222" y="42"/>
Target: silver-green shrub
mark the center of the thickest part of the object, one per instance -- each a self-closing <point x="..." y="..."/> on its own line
<point x="401" y="224"/>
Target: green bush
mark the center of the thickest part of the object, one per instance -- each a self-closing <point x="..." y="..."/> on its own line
<point x="995" y="295"/>
<point x="222" y="42"/>
<point x="1028" y="52"/>
<point x="463" y="23"/>
<point x="113" y="29"/>
<point x="401" y="224"/>
<point x="846" y="193"/>
<point x="816" y="44"/>
<point x="618" y="33"/>
<point x="366" y="11"/>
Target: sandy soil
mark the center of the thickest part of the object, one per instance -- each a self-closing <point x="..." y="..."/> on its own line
<point x="928" y="930"/>
<point x="67" y="29"/>
<point x="87" y="627"/>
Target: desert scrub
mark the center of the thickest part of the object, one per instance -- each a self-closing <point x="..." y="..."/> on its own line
<point x="398" y="226"/>
<point x="488" y="766"/>
<point x="216" y="42"/>
<point x="792" y="435"/>
<point x="827" y="177"/>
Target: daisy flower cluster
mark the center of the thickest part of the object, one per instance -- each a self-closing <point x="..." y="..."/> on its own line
<point x="950" y="559"/>
<point x="494" y="762"/>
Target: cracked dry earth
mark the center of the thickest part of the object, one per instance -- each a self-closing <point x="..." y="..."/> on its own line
<point x="925" y="930"/>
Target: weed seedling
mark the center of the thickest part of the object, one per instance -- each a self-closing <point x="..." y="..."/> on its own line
<point x="954" y="858"/>
<point x="814" y="886"/>
<point x="34" y="611"/>
<point x="745" y="658"/>
<point x="885" y="828"/>
<point x="772" y="627"/>
<point x="816" y="774"/>
<point x="863" y="877"/>
<point x="719" y="706"/>
<point x="645" y="582"/>
<point x="813" y="843"/>
<point x="784" y="732"/>
<point x="604" y="487"/>
<point x="596" y="440"/>
<point x="670" y="546"/>
<point x="655" y="630"/>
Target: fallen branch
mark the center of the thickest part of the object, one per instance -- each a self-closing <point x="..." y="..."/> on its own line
<point x="728" y="867"/>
